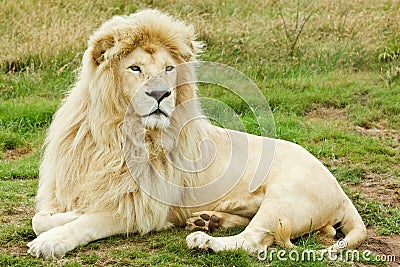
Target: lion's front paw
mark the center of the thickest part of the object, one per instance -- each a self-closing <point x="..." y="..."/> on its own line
<point x="50" y="245"/>
<point x="200" y="240"/>
<point x="204" y="220"/>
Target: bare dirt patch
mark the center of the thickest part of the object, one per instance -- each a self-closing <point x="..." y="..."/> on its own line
<point x="377" y="187"/>
<point x="381" y="131"/>
<point x="14" y="154"/>
<point x="327" y="113"/>
<point x="385" y="246"/>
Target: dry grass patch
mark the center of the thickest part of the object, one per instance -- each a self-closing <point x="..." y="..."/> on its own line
<point x="45" y="28"/>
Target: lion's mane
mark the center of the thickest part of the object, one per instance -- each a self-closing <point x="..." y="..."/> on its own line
<point x="84" y="167"/>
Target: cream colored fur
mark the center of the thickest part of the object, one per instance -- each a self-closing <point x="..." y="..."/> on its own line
<point x="87" y="192"/>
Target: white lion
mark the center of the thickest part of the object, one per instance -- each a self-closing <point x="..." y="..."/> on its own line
<point x="115" y="135"/>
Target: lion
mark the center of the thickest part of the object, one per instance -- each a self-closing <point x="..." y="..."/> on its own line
<point x="130" y="151"/>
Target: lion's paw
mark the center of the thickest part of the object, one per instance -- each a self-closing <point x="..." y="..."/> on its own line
<point x="204" y="220"/>
<point x="50" y="244"/>
<point x="200" y="240"/>
<point x="46" y="220"/>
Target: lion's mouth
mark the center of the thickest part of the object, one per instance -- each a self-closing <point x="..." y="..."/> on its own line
<point x="158" y="112"/>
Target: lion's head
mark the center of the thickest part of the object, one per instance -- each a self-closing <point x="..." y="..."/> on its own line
<point x="138" y="59"/>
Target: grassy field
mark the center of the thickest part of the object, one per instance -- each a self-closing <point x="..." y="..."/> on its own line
<point x="330" y="71"/>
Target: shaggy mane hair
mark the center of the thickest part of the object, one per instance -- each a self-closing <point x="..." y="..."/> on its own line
<point x="84" y="167"/>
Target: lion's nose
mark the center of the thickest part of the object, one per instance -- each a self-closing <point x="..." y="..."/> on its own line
<point x="159" y="95"/>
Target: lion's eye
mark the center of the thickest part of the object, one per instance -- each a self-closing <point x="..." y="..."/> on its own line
<point x="169" y="68"/>
<point x="135" y="69"/>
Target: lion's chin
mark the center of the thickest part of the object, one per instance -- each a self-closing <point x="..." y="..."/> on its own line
<point x="156" y="121"/>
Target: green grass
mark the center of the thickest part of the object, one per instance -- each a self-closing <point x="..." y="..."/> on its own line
<point x="337" y="93"/>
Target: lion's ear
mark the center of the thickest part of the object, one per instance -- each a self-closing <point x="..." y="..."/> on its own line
<point x="197" y="47"/>
<point x="194" y="49"/>
<point x="100" y="48"/>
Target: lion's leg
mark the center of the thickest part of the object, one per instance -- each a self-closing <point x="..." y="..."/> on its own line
<point x="263" y="230"/>
<point x="88" y="227"/>
<point x="246" y="207"/>
<point x="227" y="214"/>
<point x="46" y="220"/>
<point x="327" y="232"/>
<point x="212" y="220"/>
<point x="245" y="240"/>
